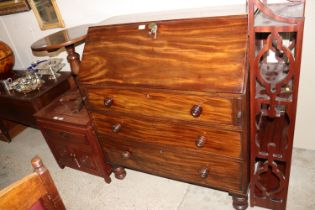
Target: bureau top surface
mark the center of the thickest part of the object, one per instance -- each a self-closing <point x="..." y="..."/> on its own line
<point x="65" y="109"/>
<point x="197" y="54"/>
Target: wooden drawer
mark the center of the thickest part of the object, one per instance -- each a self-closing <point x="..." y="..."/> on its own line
<point x="176" y="105"/>
<point x="65" y="137"/>
<point x="195" y="138"/>
<point x="195" y="168"/>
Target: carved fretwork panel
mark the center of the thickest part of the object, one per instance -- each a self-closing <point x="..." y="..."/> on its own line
<point x="275" y="32"/>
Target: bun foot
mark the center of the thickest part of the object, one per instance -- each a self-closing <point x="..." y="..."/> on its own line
<point x="62" y="166"/>
<point x="120" y="173"/>
<point x="240" y="202"/>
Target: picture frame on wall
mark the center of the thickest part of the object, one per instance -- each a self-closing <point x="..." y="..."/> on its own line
<point x="47" y="14"/>
<point x="13" y="6"/>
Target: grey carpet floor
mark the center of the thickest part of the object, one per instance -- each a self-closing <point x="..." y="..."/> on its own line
<point x="139" y="191"/>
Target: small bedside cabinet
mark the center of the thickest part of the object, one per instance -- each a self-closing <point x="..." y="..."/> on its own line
<point x="70" y="136"/>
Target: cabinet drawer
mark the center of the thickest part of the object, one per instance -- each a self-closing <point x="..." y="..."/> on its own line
<point x="177" y="105"/>
<point x="194" y="168"/>
<point x="71" y="137"/>
<point x="195" y="138"/>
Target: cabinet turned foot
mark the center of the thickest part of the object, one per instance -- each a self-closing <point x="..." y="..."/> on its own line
<point x="107" y="180"/>
<point x="62" y="166"/>
<point x="240" y="202"/>
<point x="119" y="172"/>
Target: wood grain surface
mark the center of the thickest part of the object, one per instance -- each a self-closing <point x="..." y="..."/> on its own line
<point x="181" y="135"/>
<point x="181" y="165"/>
<point x="66" y="136"/>
<point x="36" y="188"/>
<point x="71" y="138"/>
<point x="172" y="103"/>
<point x="177" y="105"/>
<point x="20" y="108"/>
<point x="30" y="188"/>
<point x="205" y="54"/>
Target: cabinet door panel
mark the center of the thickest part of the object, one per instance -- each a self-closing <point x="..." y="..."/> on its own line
<point x="85" y="161"/>
<point x="62" y="154"/>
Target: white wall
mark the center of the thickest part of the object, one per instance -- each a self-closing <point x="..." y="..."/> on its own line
<point x="305" y="122"/>
<point x="21" y="30"/>
<point x="24" y="30"/>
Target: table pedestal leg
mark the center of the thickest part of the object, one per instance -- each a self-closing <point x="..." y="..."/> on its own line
<point x="73" y="59"/>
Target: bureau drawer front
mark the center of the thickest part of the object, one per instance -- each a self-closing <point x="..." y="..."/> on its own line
<point x="176" y="105"/>
<point x="63" y="136"/>
<point x="192" y="137"/>
<point x="224" y="174"/>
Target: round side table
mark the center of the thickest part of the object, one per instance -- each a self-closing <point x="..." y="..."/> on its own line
<point x="67" y="38"/>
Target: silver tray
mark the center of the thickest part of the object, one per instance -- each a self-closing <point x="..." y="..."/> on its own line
<point x="27" y="83"/>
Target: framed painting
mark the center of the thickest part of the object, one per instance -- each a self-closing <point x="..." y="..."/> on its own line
<point x="13" y="6"/>
<point x="47" y="14"/>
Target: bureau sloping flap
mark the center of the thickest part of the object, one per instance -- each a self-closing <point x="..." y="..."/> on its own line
<point x="204" y="54"/>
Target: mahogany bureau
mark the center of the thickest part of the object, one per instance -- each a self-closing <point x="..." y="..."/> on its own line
<point x="170" y="98"/>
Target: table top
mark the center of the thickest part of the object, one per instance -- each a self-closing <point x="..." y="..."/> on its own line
<point x="48" y="85"/>
<point x="61" y="39"/>
<point x="64" y="109"/>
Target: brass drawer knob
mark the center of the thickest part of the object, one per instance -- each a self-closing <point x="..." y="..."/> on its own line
<point x="116" y="128"/>
<point x="204" y="173"/>
<point x="108" y="102"/>
<point x="200" y="141"/>
<point x="125" y="154"/>
<point x="196" y="111"/>
<point x="153" y="27"/>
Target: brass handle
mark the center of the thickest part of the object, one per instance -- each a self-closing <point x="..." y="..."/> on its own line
<point x="75" y="160"/>
<point x="116" y="128"/>
<point x="125" y="154"/>
<point x="108" y="102"/>
<point x="204" y="173"/>
<point x="196" y="111"/>
<point x="200" y="141"/>
<point x="153" y="27"/>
